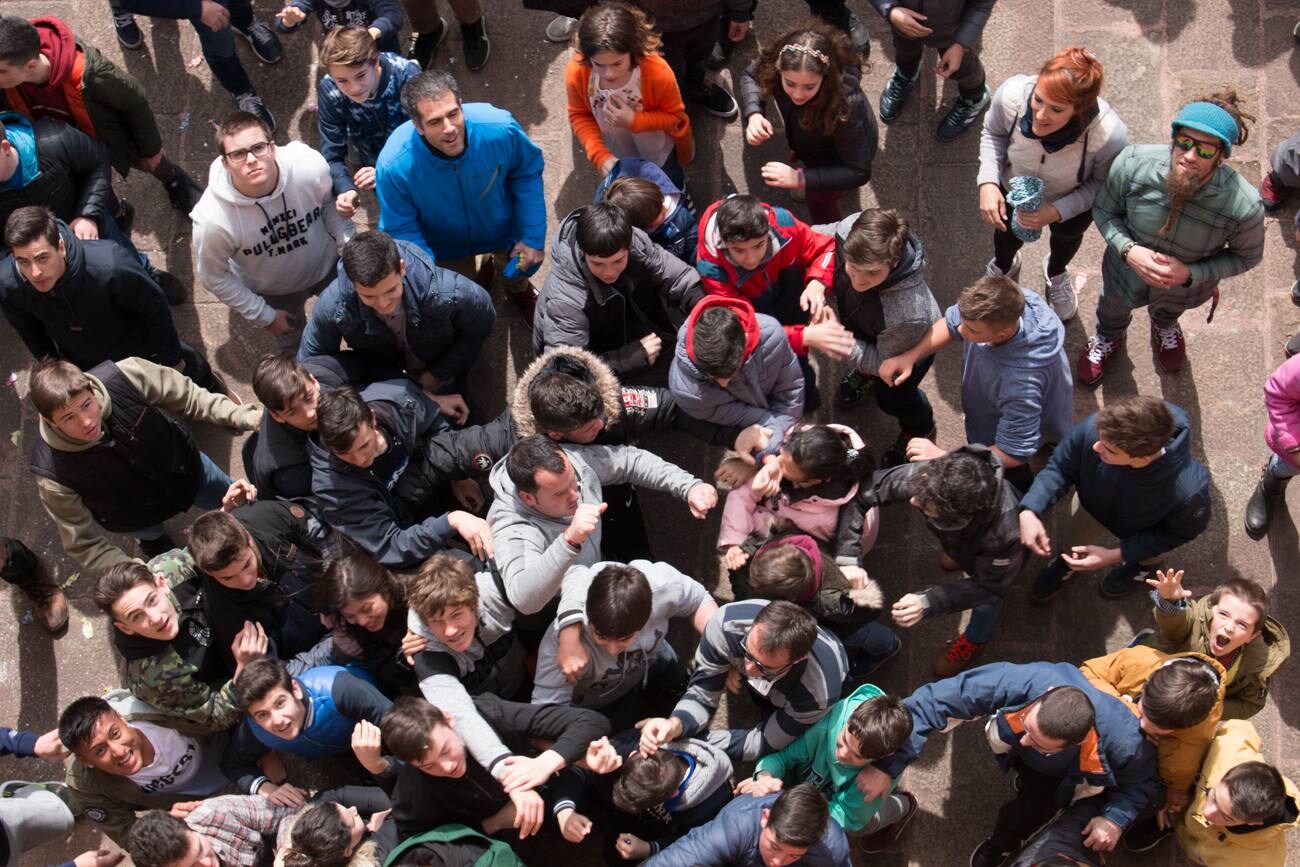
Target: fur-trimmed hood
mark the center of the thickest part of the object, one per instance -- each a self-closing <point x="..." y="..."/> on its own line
<point x="576" y="362"/>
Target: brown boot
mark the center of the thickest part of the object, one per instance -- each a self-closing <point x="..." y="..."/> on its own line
<point x="50" y="603"/>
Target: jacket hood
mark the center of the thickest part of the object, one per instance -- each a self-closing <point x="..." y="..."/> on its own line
<point x="58" y="44"/>
<point x="223" y="188"/>
<point x="55" y="439"/>
<point x="1038" y="341"/>
<point x="576" y="362"/>
<point x="742" y="308"/>
<point x="712" y="768"/>
<point x="1236" y="743"/>
<point x="713" y="248"/>
<point x="28" y="163"/>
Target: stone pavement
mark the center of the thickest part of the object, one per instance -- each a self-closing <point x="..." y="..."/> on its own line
<point x="1158" y="53"/>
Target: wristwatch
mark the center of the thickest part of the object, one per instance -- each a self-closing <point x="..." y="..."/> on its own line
<point x="1125" y="250"/>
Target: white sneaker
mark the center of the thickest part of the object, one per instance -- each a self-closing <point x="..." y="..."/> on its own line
<point x="992" y="270"/>
<point x="1060" y="292"/>
<point x="560" y="28"/>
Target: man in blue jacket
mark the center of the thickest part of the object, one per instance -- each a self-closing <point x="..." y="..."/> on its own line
<point x="1135" y="477"/>
<point x="487" y="175"/>
<point x="402" y="315"/>
<point x="793" y="827"/>
<point x="1055" y="730"/>
<point x="312" y="715"/>
<point x="358" y="105"/>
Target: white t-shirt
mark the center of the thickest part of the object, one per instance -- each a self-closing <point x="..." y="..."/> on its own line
<point x="179" y="764"/>
<point x="653" y="145"/>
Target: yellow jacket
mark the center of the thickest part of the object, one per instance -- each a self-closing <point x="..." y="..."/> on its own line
<point x="1237" y="742"/>
<point x="1124" y="673"/>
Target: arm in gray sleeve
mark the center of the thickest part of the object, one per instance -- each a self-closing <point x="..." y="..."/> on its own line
<point x="448" y="695"/>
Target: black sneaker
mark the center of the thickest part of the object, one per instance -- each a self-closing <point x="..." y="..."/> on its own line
<point x="893" y="97"/>
<point x="860" y="35"/>
<point x="986" y="856"/>
<point x="252" y="103"/>
<point x="1145" y="834"/>
<point x="128" y="32"/>
<point x="1123" y="580"/>
<point x="863" y="665"/>
<point x="896" y="454"/>
<point x="262" y="39"/>
<point x="182" y="192"/>
<point x="125" y="216"/>
<point x="172" y="288"/>
<point x="854" y="389"/>
<point x="424" y="44"/>
<point x="1295" y="293"/>
<point x="1292" y="346"/>
<point x="477" y="46"/>
<point x="963" y="113"/>
<point x="717" y="101"/>
<point x="1050" y="581"/>
<point x="153" y="547"/>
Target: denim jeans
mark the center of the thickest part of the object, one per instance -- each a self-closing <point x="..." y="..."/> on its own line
<point x="983" y="620"/>
<point x="213" y="484"/>
<point x="109" y="230"/>
<point x="1280" y="469"/>
<point x="219" y="47"/>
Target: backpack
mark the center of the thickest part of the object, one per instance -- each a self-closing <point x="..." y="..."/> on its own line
<point x="498" y="853"/>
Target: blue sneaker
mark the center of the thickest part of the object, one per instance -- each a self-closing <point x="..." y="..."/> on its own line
<point x="963" y="113"/>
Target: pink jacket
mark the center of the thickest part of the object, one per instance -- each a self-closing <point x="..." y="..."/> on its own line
<point x="744" y="513"/>
<point x="1282" y="398"/>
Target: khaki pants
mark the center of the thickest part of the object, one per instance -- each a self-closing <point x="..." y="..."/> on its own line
<point x="424" y="13"/>
<point x="467" y="266"/>
<point x="1084" y="529"/>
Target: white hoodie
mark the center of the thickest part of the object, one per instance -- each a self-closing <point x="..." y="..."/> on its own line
<point x="278" y="244"/>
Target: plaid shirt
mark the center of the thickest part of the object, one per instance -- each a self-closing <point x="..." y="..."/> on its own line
<point x="237" y="825"/>
<point x="1219" y="234"/>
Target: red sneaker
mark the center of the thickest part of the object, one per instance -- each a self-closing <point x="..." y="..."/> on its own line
<point x="1171" y="349"/>
<point x="1092" y="361"/>
<point x="956" y="656"/>
<point x="1271" y="193"/>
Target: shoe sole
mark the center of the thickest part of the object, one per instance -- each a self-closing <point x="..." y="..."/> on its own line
<point x="253" y="47"/>
<point x="130" y="46"/>
<point x="486" y="55"/>
<point x="1147" y="848"/>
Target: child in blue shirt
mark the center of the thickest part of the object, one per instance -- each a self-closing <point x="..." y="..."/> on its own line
<point x="654" y="205"/>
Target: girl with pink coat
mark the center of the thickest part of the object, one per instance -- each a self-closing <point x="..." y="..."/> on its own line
<point x="1282" y="399"/>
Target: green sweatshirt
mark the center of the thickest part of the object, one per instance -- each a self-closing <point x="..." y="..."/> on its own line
<point x="165" y="388"/>
<point x="811" y="758"/>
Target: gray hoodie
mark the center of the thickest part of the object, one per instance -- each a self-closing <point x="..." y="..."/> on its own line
<point x="609" y="678"/>
<point x="279" y="244"/>
<point x="531" y="551"/>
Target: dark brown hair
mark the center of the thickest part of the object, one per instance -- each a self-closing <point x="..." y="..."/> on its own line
<point x="780" y="572"/>
<point x="640" y="198"/>
<point x="1180" y="693"/>
<point x="1066" y="714"/>
<point x="880" y="725"/>
<point x="55" y="383"/>
<point x="993" y="299"/>
<point x="407" y="724"/>
<point x="279" y="380"/>
<point x="1139" y="426"/>
<point x="259" y="677"/>
<point x="646" y="781"/>
<point x="216" y="539"/>
<point x="116" y="580"/>
<point x="878" y="237"/>
<point x="821" y="50"/>
<point x="235" y="123"/>
<point x="618" y="601"/>
<point x="30" y="223"/>
<point x="616" y="27"/>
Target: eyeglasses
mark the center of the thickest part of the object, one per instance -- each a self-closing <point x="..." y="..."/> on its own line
<point x="239" y="155"/>
<point x="768" y="673"/>
<point x="1204" y="150"/>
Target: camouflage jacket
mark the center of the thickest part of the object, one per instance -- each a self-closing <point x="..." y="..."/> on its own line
<point x="165" y="679"/>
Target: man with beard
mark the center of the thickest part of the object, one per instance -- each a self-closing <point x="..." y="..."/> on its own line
<point x="1170" y="252"/>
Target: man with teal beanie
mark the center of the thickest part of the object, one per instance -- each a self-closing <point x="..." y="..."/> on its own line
<point x="1168" y="252"/>
<point x="866" y="726"/>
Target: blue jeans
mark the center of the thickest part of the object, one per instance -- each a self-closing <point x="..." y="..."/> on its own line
<point x="873" y="639"/>
<point x="983" y="620"/>
<point x="1280" y="469"/>
<point x="109" y="230"/>
<point x="213" y="484"/>
<point x="219" y="47"/>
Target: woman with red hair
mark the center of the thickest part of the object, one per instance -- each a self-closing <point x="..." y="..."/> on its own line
<point x="1052" y="126"/>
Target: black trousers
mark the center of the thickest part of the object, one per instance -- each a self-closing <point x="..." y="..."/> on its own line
<point x="1032" y="807"/>
<point x="1063" y="241"/>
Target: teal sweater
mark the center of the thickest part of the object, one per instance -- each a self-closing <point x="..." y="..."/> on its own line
<point x="811" y="758"/>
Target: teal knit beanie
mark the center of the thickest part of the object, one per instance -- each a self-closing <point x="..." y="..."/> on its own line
<point x="1210" y="119"/>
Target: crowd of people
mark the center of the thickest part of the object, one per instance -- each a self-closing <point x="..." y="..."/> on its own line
<point x="415" y="635"/>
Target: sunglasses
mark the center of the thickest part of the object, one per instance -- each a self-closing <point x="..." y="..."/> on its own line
<point x="768" y="673"/>
<point x="1204" y="150"/>
<point x="239" y="155"/>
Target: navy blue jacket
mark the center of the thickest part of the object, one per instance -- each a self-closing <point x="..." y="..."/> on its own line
<point x="365" y="126"/>
<point x="104" y="308"/>
<point x="16" y="742"/>
<point x="1151" y="510"/>
<point x="732" y="839"/>
<point x="386" y="16"/>
<point x="1114" y="756"/>
<point x="447" y="319"/>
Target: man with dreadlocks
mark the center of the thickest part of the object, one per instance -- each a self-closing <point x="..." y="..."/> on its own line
<point x="1168" y="252"/>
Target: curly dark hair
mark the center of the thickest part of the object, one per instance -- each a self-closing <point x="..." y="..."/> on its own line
<point x="819" y="49"/>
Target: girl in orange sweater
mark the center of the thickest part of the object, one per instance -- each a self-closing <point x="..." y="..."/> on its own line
<point x="623" y="96"/>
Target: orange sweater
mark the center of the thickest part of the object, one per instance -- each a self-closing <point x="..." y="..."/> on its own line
<point x="664" y="109"/>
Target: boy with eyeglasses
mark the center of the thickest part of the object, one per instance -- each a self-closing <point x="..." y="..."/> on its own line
<point x="266" y="233"/>
<point x="1169" y="253"/>
<point x="776" y="654"/>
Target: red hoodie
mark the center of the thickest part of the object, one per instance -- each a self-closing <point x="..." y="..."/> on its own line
<point x="742" y="308"/>
<point x="66" y="62"/>
<point x="793" y="243"/>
